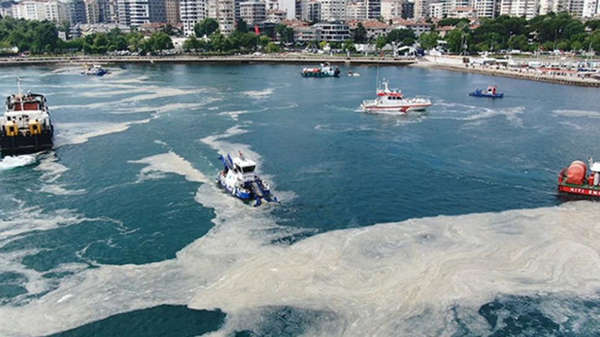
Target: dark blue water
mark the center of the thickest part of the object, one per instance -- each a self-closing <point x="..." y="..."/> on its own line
<point x="124" y="216"/>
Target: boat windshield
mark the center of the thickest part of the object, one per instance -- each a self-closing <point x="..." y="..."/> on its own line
<point x="248" y="169"/>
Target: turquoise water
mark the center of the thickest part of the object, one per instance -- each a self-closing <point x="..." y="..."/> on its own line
<point x="445" y="222"/>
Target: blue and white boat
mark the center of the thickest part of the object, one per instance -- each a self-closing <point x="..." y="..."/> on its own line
<point x="95" y="70"/>
<point x="238" y="177"/>
<point x="491" y="92"/>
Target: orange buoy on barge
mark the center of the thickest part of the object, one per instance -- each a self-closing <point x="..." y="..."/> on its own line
<point x="575" y="180"/>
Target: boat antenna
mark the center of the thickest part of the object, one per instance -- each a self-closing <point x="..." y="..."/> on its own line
<point x="19" y="85"/>
<point x="377" y="77"/>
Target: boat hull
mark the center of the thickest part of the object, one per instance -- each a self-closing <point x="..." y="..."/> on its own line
<point x="20" y="144"/>
<point x="580" y="190"/>
<point x="476" y="94"/>
<point x="246" y="196"/>
<point x="319" y="74"/>
<point x="396" y="109"/>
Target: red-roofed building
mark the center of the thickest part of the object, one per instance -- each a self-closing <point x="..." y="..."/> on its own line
<point x="443" y="30"/>
<point x="374" y="28"/>
<point x="462" y="13"/>
<point x="417" y="26"/>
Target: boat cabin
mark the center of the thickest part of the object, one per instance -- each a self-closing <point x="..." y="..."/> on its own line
<point x="391" y="94"/>
<point x="243" y="165"/>
<point x="27" y="102"/>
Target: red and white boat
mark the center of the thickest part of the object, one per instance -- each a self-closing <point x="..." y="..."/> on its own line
<point x="392" y="101"/>
<point x="576" y="180"/>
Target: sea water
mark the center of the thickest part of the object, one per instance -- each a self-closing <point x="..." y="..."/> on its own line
<point x="437" y="223"/>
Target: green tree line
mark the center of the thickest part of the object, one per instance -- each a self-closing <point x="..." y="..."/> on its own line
<point x="208" y="38"/>
<point x="545" y="32"/>
<point x="42" y="37"/>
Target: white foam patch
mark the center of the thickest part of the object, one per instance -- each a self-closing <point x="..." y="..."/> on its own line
<point x="78" y="133"/>
<point x="22" y="221"/>
<point x="168" y="163"/>
<point x="27" y="219"/>
<point x="171" y="107"/>
<point x="511" y="115"/>
<point x="235" y="115"/>
<point x="259" y="94"/>
<point x="11" y="162"/>
<point x="221" y="145"/>
<point x="377" y="280"/>
<point x="145" y="94"/>
<point x="60" y="189"/>
<point x="477" y="114"/>
<point x="577" y="113"/>
<point x="52" y="171"/>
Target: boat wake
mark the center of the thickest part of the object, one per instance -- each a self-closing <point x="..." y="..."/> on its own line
<point x="11" y="162"/>
<point x="259" y="94"/>
<point x="475" y="115"/>
<point x="577" y="113"/>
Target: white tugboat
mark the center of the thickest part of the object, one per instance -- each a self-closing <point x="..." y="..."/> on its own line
<point x="391" y="100"/>
<point x="239" y="179"/>
<point x="25" y="127"/>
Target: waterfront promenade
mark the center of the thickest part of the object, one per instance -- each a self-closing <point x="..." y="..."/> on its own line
<point x="235" y="59"/>
<point x="446" y="63"/>
<point x="557" y="77"/>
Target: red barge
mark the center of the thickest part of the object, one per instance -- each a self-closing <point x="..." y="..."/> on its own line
<point x="575" y="180"/>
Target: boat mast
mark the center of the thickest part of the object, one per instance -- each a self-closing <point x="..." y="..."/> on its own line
<point x="19" y="86"/>
<point x="20" y="95"/>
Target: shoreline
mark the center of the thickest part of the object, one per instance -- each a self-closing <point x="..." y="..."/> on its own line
<point x="555" y="79"/>
<point x="297" y="59"/>
<point x="238" y="59"/>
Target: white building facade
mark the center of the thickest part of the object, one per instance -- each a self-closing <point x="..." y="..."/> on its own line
<point x="191" y="12"/>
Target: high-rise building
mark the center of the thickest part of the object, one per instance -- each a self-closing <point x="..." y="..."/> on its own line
<point x="591" y="8"/>
<point x="289" y="6"/>
<point x="298" y="9"/>
<point x="224" y="12"/>
<point x="450" y="6"/>
<point x="253" y="12"/>
<point x="576" y="8"/>
<point x="421" y="9"/>
<point x="51" y="10"/>
<point x="311" y="11"/>
<point x="333" y="10"/>
<point x="6" y="9"/>
<point x="172" y="11"/>
<point x="485" y="8"/>
<point x="139" y="12"/>
<point x="437" y="10"/>
<point x="373" y="9"/>
<point x="523" y="8"/>
<point x="391" y="9"/>
<point x="356" y="10"/>
<point x="77" y="11"/>
<point x="97" y="11"/>
<point x="408" y="10"/>
<point x="191" y="12"/>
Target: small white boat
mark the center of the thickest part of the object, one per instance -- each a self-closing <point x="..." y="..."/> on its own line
<point x="353" y="74"/>
<point x="391" y="100"/>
